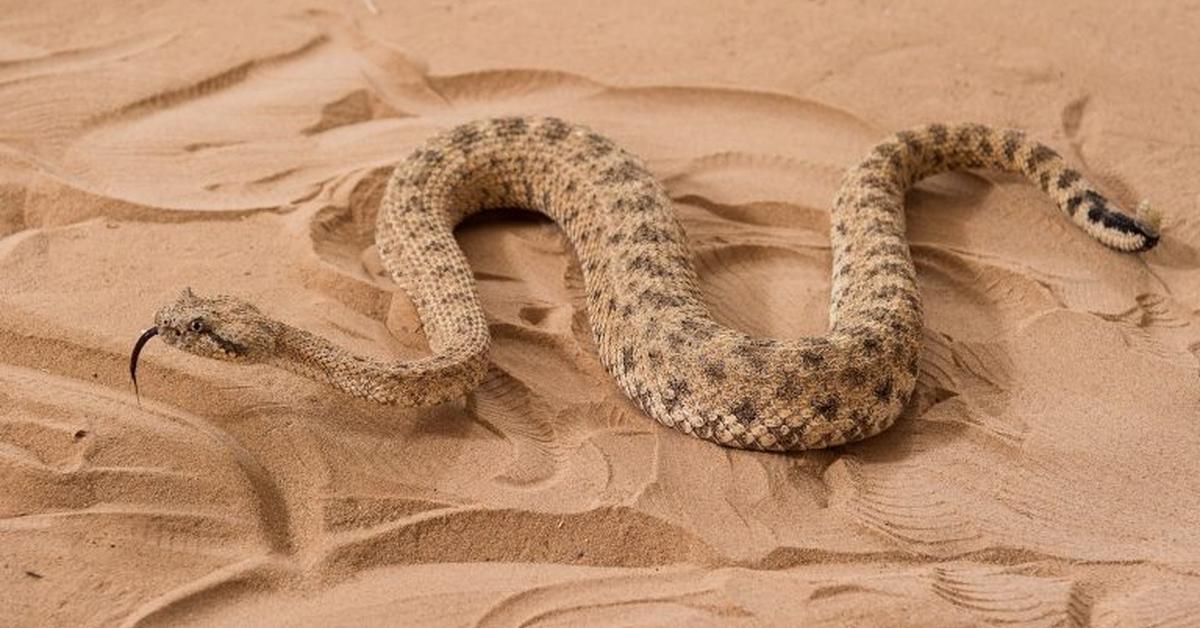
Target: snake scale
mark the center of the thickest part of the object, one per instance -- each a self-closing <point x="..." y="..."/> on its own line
<point x="653" y="332"/>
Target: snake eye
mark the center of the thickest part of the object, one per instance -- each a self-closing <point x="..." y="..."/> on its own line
<point x="196" y="325"/>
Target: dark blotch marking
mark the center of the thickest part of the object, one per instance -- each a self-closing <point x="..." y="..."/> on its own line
<point x="1039" y="154"/>
<point x="962" y="136"/>
<point x="511" y="127"/>
<point x="595" y="147"/>
<point x="854" y="376"/>
<point x="660" y="300"/>
<point x="812" y="358"/>
<point x="465" y="137"/>
<point x="555" y="130"/>
<point x="745" y="411"/>
<point x="827" y="407"/>
<point x="226" y="345"/>
<point x="885" y="248"/>
<point x="655" y="358"/>
<point x="1012" y="142"/>
<point x="625" y="172"/>
<point x="886" y="149"/>
<point x="751" y="353"/>
<point x="1117" y="221"/>
<point x="886" y="292"/>
<point x="697" y="328"/>
<point x="714" y="372"/>
<point x="1122" y="223"/>
<point x="909" y="139"/>
<point x="647" y="265"/>
<point x="627" y="360"/>
<point x="415" y="204"/>
<point x="647" y="232"/>
<point x="875" y="180"/>
<point x="1068" y="178"/>
<point x="1073" y="204"/>
<point x="883" y="392"/>
<point x="1098" y="212"/>
<point x="595" y="139"/>
<point x="639" y="203"/>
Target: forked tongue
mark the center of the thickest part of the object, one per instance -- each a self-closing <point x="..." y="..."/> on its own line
<point x="133" y="359"/>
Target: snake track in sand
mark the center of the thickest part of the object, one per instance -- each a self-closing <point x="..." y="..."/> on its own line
<point x="652" y="329"/>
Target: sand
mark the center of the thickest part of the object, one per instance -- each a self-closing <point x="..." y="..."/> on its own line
<point x="1046" y="472"/>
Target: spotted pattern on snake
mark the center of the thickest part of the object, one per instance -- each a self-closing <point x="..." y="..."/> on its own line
<point x="653" y="331"/>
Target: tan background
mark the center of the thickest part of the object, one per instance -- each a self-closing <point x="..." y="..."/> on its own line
<point x="1046" y="472"/>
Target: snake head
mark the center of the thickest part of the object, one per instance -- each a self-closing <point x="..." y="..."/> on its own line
<point x="220" y="327"/>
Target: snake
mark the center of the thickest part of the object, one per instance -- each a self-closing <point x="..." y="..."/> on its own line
<point x="654" y="333"/>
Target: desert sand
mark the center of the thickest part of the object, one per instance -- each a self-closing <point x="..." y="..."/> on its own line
<point x="1045" y="473"/>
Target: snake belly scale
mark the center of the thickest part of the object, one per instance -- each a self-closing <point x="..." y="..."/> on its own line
<point x="653" y="332"/>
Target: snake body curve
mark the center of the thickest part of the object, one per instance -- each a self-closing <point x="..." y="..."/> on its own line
<point x="652" y="329"/>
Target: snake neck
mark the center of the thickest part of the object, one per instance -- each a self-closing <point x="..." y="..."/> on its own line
<point x="420" y="382"/>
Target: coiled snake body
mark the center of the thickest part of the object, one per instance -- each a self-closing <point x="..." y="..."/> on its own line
<point x="652" y="329"/>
